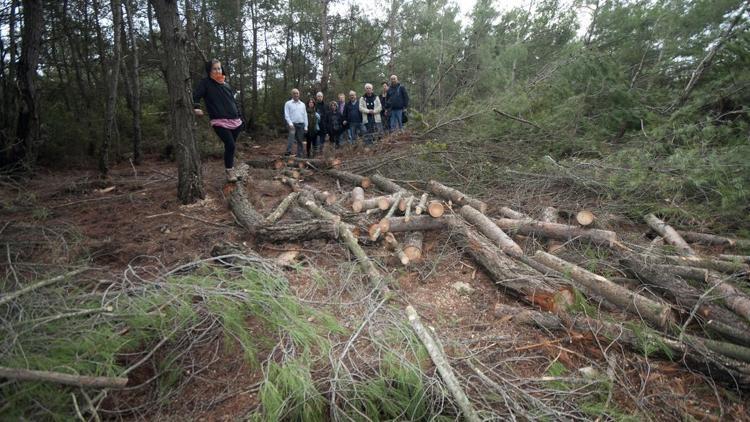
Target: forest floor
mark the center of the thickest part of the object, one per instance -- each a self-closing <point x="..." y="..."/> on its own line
<point x="140" y="222"/>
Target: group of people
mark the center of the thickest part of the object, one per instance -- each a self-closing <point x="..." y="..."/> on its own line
<point x="339" y="121"/>
<point x="345" y="120"/>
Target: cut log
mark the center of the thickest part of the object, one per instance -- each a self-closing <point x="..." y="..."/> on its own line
<point x="242" y="209"/>
<point x="696" y="355"/>
<point x="509" y="213"/>
<point x="442" y="365"/>
<point x="557" y="231"/>
<point x="458" y="197"/>
<point x="294" y="174"/>
<point x="744" y="259"/>
<point x="19" y="374"/>
<point x="549" y="215"/>
<point x="306" y="200"/>
<point x="298" y="231"/>
<point x="512" y="277"/>
<point x="658" y="314"/>
<point x="385" y="184"/>
<point x="396" y="199"/>
<point x="416" y="223"/>
<point x="405" y="203"/>
<point x="436" y="209"/>
<point x="324" y="197"/>
<point x="281" y="209"/>
<point x="585" y="217"/>
<point x="317" y="163"/>
<point x="413" y="246"/>
<point x="354" y="179"/>
<point x="422" y="205"/>
<point x="684" y="295"/>
<point x="491" y="230"/>
<point x="727" y="267"/>
<point x="707" y="239"/>
<point x="365" y="263"/>
<point x="670" y="235"/>
<point x="394" y="246"/>
<point x="385" y="202"/>
<point x="358" y="197"/>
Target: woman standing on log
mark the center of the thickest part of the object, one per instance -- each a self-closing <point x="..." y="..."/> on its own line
<point x="222" y="109"/>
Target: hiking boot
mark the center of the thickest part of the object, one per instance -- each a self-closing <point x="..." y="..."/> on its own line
<point x="231" y="176"/>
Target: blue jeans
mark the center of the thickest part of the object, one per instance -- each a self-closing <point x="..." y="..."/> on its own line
<point x="296" y="134"/>
<point x="396" y="118"/>
<point x="354" y="131"/>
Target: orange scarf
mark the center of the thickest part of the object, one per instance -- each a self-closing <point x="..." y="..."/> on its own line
<point x="218" y="78"/>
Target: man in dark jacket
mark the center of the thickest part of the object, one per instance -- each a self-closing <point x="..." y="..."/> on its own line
<point x="353" y="118"/>
<point x="397" y="101"/>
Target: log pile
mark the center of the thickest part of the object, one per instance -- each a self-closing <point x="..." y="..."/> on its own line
<point x="693" y="303"/>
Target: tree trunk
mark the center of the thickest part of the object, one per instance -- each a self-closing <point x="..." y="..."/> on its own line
<point x="491" y="230"/>
<point x="456" y="196"/>
<point x="385" y="184"/>
<point x="696" y="355"/>
<point x="242" y="209"/>
<point x="297" y="231"/>
<point x="135" y="83"/>
<point x="685" y="296"/>
<point x="28" y="130"/>
<point x="113" y="78"/>
<point x="657" y="313"/>
<point x="351" y="178"/>
<point x="416" y="223"/>
<point x="326" y="55"/>
<point x="563" y="232"/>
<point x="669" y="234"/>
<point x="413" y="246"/>
<point x="515" y="278"/>
<point x="189" y="177"/>
<point x="254" y="67"/>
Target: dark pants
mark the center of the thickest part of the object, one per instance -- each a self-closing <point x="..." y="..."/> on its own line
<point x="296" y="135"/>
<point x="229" y="137"/>
<point x="319" y="141"/>
<point x="310" y="138"/>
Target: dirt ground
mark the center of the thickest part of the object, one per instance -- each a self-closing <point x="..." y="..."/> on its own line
<point x="141" y="219"/>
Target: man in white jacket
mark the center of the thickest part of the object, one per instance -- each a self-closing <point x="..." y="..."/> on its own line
<point x="370" y="107"/>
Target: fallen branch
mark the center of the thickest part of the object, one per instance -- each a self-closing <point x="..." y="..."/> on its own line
<point x="385" y="184"/>
<point x="38" y="285"/>
<point x="18" y="374"/>
<point x="443" y="367"/>
<point x="416" y="223"/>
<point x="518" y="119"/>
<point x="491" y="230"/>
<point x="669" y="234"/>
<point x="555" y="231"/>
<point x="281" y="209"/>
<point x="458" y="197"/>
<point x="351" y="178"/>
<point x="422" y="205"/>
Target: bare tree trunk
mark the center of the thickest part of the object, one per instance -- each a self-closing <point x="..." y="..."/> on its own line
<point x="133" y="82"/>
<point x="326" y="56"/>
<point x="189" y="177"/>
<point x="254" y="67"/>
<point x="110" y="128"/>
<point x="28" y="130"/>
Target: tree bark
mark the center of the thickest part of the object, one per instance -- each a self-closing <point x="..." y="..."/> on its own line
<point x="442" y="365"/>
<point x="113" y="78"/>
<point x="174" y="40"/>
<point x="491" y="230"/>
<point x="515" y="278"/>
<point x="416" y="223"/>
<point x="134" y="91"/>
<point x="707" y="239"/>
<point x="727" y="267"/>
<point x="694" y="355"/>
<point x="28" y="129"/>
<point x="509" y="213"/>
<point x="297" y="231"/>
<point x="242" y="209"/>
<point x="385" y="184"/>
<point x="393" y="245"/>
<point x="326" y="57"/>
<point x="351" y="178"/>
<point x="563" y="232"/>
<point x="549" y="215"/>
<point x="19" y="374"/>
<point x="658" y="314"/>
<point x="413" y="246"/>
<point x="422" y="205"/>
<point x="669" y="234"/>
<point x="358" y="197"/>
<point x="456" y="196"/>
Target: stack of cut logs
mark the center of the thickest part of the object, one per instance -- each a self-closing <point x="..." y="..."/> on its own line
<point x="690" y="308"/>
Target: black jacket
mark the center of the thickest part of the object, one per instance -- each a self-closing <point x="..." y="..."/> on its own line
<point x="333" y="123"/>
<point x="352" y="113"/>
<point x="322" y="109"/>
<point x="219" y="98"/>
<point x="397" y="98"/>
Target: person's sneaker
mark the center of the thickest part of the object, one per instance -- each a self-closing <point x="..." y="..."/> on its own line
<point x="231" y="176"/>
